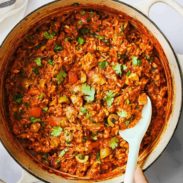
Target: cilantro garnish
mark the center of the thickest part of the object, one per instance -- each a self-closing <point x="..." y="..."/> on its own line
<point x="128" y="73"/>
<point x="80" y="40"/>
<point x="109" y="98"/>
<point x="50" y="62"/>
<point x="98" y="157"/>
<point x="99" y="37"/>
<point x="89" y="92"/>
<point x="136" y="61"/>
<point x="57" y="48"/>
<point x="83" y="110"/>
<point x="117" y="68"/>
<point x="34" y="120"/>
<point x="124" y="67"/>
<point x="38" y="61"/>
<point x="61" y="76"/>
<point x="56" y="131"/>
<point x="35" y="70"/>
<point x="63" y="152"/>
<point x="122" y="114"/>
<point x="41" y="96"/>
<point x="103" y="64"/>
<point x="48" y="35"/>
<point x="113" y="143"/>
<point x="45" y="109"/>
<point x="127" y="122"/>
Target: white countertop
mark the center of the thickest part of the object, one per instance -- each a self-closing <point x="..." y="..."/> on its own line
<point x="169" y="166"/>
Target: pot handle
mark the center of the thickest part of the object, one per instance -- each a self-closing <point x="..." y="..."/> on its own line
<point x="145" y="6"/>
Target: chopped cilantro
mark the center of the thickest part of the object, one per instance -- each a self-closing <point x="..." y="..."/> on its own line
<point x="41" y="96"/>
<point x="63" y="152"/>
<point x="128" y="73"/>
<point x="136" y="61"/>
<point x="34" y="120"/>
<point x="38" y="61"/>
<point x="45" y="109"/>
<point x="113" y="143"/>
<point x="117" y="68"/>
<point x="58" y="48"/>
<point x="83" y="110"/>
<point x="127" y="122"/>
<point x="60" y="76"/>
<point x="89" y="92"/>
<point x="35" y="70"/>
<point x="48" y="35"/>
<point x="80" y="40"/>
<point x="124" y="67"/>
<point x="103" y="64"/>
<point x="56" y="131"/>
<point x="50" y="62"/>
<point x="99" y="37"/>
<point x="122" y="114"/>
<point x="98" y="157"/>
<point x="109" y="98"/>
<point x="18" y="98"/>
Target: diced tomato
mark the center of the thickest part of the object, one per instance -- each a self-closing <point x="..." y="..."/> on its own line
<point x="73" y="78"/>
<point x="90" y="146"/>
<point x="53" y="121"/>
<point x="35" y="112"/>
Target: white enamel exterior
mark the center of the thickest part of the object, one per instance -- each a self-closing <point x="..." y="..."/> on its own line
<point x="177" y="85"/>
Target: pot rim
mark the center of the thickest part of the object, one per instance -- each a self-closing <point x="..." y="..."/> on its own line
<point x="159" y="30"/>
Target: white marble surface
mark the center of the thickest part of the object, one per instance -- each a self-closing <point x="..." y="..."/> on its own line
<point x="169" y="167"/>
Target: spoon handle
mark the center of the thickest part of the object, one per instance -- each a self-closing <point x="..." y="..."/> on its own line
<point x="134" y="146"/>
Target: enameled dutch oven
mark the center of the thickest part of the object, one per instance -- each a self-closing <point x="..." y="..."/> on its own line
<point x="140" y="13"/>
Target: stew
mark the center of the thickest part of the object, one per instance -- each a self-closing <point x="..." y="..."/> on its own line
<point x="75" y="81"/>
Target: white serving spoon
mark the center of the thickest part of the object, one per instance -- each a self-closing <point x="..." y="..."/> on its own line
<point x="134" y="137"/>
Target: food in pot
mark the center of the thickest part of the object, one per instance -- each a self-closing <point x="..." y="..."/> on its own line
<point x="75" y="81"/>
